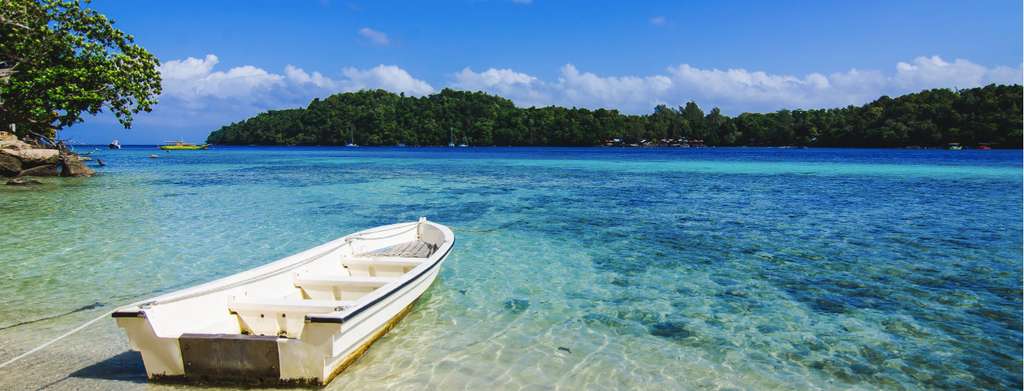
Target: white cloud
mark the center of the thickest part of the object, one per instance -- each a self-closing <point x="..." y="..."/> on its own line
<point x="741" y="85"/>
<point x="493" y="78"/>
<point x="188" y="68"/>
<point x="590" y="90"/>
<point x="927" y="72"/>
<point x="198" y="95"/>
<point x="298" y="76"/>
<point x="521" y="88"/>
<point x="734" y="90"/>
<point x="658" y="21"/>
<point x="375" y="37"/>
<point x="192" y="79"/>
<point x="1006" y="75"/>
<point x="388" y="77"/>
<point x="196" y="81"/>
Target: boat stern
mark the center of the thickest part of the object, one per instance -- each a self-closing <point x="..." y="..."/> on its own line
<point x="201" y="358"/>
<point x="161" y="356"/>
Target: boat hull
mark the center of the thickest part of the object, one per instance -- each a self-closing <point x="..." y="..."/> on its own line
<point x="183" y="147"/>
<point x="327" y="345"/>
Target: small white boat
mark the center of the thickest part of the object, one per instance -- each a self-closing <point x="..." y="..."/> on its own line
<point x="114" y="144"/>
<point x="351" y="139"/>
<point x="299" y="320"/>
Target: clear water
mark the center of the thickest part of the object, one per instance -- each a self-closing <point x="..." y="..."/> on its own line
<point x="574" y="268"/>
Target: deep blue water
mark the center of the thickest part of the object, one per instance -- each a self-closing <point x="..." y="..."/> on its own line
<point x="749" y="268"/>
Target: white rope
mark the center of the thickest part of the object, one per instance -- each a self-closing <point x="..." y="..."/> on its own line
<point x="52" y="341"/>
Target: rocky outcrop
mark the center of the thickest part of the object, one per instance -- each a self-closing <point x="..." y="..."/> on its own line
<point x="10" y="141"/>
<point x="72" y="165"/>
<point x="33" y="157"/>
<point x="19" y="158"/>
<point x="45" y="170"/>
<point x="9" y="165"/>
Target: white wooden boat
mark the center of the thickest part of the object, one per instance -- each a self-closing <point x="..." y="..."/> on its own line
<point x="299" y="320"/>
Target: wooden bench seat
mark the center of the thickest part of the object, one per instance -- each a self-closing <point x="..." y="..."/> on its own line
<point x="252" y="304"/>
<point x="384" y="261"/>
<point x="340" y="280"/>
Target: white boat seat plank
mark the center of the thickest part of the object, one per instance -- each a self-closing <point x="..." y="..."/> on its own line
<point x="311" y="280"/>
<point x="413" y="249"/>
<point x="249" y="304"/>
<point x="384" y="261"/>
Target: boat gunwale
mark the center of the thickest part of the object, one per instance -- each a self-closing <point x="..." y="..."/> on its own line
<point x="137" y="310"/>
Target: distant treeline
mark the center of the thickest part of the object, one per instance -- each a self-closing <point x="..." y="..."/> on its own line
<point x="987" y="115"/>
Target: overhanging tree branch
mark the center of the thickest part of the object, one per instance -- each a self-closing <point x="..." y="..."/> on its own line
<point x="59" y="60"/>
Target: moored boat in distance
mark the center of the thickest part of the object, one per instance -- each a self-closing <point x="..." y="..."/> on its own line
<point x="351" y="139"/>
<point x="299" y="320"/>
<point x="179" y="145"/>
<point x="114" y="144"/>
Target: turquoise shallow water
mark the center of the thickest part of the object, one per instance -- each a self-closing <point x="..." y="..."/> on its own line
<point x="653" y="269"/>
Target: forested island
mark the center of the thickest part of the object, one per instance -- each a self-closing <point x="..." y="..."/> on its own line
<point x="984" y="116"/>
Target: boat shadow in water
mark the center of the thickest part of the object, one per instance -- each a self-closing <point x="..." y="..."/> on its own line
<point x="125" y="366"/>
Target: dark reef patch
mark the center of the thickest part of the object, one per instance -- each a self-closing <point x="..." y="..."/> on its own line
<point x="516" y="306"/>
<point x="670" y="329"/>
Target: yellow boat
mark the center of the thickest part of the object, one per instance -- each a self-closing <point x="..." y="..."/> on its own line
<point x="182" y="146"/>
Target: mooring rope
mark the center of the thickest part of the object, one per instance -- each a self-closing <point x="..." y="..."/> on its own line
<point x="52" y="341"/>
<point x="78" y="329"/>
<point x="79" y="309"/>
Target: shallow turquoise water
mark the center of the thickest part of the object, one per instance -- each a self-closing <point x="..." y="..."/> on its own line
<point x="654" y="269"/>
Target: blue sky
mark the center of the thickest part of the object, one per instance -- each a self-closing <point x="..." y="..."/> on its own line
<point x="225" y="61"/>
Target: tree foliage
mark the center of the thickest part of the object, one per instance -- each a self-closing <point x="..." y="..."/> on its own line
<point x="990" y="115"/>
<point x="59" y="60"/>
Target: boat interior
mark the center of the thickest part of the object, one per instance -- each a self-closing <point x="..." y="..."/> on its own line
<point x="326" y="287"/>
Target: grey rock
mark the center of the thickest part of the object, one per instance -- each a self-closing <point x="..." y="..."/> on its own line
<point x="46" y="170"/>
<point x="9" y="165"/>
<point x="74" y="166"/>
<point x="33" y="157"/>
<point x="10" y="141"/>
